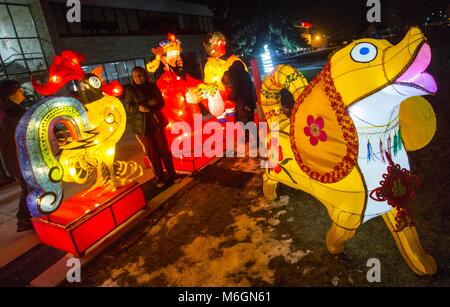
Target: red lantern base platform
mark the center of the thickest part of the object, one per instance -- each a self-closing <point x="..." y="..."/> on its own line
<point x="188" y="161"/>
<point x="80" y="221"/>
<point x="190" y="164"/>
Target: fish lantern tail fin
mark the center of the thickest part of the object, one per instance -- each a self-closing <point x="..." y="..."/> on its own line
<point x="283" y="77"/>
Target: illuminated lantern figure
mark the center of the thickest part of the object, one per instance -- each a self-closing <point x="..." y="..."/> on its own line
<point x="65" y="67"/>
<point x="86" y="154"/>
<point x="181" y="94"/>
<point x="347" y="139"/>
<point x="178" y="88"/>
<point x="215" y="46"/>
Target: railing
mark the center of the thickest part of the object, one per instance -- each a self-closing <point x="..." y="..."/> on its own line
<point x="14" y="65"/>
<point x="20" y="54"/>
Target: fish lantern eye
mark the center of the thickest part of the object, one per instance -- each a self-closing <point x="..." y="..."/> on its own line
<point x="364" y="52"/>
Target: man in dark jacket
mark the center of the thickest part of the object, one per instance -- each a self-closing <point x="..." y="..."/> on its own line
<point x="11" y="98"/>
<point x="143" y="102"/>
<point x="239" y="87"/>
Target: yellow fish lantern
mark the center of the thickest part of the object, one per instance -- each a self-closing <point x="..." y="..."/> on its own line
<point x="346" y="140"/>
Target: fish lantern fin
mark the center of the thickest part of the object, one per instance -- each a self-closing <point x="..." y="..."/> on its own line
<point x="417" y="122"/>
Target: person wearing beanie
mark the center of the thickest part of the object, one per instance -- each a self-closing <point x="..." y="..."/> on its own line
<point x="144" y="103"/>
<point x="11" y="99"/>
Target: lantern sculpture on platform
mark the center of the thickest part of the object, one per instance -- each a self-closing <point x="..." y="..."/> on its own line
<point x="182" y="94"/>
<point x="86" y="152"/>
<point x="215" y="45"/>
<point x="347" y="139"/>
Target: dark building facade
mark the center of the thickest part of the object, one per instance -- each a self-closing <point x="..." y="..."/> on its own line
<point x="117" y="34"/>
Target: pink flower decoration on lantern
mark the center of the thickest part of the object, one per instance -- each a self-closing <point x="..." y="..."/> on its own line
<point x="276" y="161"/>
<point x="275" y="155"/>
<point x="315" y="130"/>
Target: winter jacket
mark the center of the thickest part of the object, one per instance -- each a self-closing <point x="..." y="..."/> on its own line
<point x="10" y="115"/>
<point x="147" y="95"/>
<point x="239" y="84"/>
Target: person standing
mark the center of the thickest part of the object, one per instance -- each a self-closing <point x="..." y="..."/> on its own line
<point x="239" y="89"/>
<point x="144" y="104"/>
<point x="11" y="99"/>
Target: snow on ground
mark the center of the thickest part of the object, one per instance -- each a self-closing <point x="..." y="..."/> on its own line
<point x="237" y="256"/>
<point x="205" y="263"/>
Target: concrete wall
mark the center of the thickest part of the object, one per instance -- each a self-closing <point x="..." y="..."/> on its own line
<point x="111" y="48"/>
<point x="171" y="6"/>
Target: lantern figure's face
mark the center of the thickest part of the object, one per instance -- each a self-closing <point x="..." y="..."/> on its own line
<point x="215" y="44"/>
<point x="171" y="50"/>
<point x="172" y="58"/>
<point x="220" y="48"/>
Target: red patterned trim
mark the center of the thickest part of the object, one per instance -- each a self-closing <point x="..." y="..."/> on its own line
<point x="398" y="188"/>
<point x="273" y="113"/>
<point x="344" y="167"/>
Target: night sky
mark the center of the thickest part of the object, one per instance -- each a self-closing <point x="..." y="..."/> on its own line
<point x="337" y="17"/>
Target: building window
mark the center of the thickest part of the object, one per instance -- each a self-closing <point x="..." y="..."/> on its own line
<point x="97" y="21"/>
<point x="133" y="25"/>
<point x="20" y="46"/>
<point x="121" y="21"/>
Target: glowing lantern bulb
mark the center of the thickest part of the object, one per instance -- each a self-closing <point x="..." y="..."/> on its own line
<point x="55" y="79"/>
<point x="110" y="152"/>
<point x="109" y="119"/>
<point x="72" y="171"/>
<point x="180" y="113"/>
<point x="172" y="37"/>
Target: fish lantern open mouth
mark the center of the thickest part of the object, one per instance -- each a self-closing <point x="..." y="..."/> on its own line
<point x="416" y="75"/>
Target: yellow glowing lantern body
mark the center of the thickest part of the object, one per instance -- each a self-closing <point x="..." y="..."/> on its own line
<point x="215" y="46"/>
<point x="95" y="150"/>
<point x="348" y="132"/>
<point x="216" y="67"/>
<point x="62" y="139"/>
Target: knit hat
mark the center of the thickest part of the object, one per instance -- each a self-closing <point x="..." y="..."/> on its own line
<point x="7" y="88"/>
